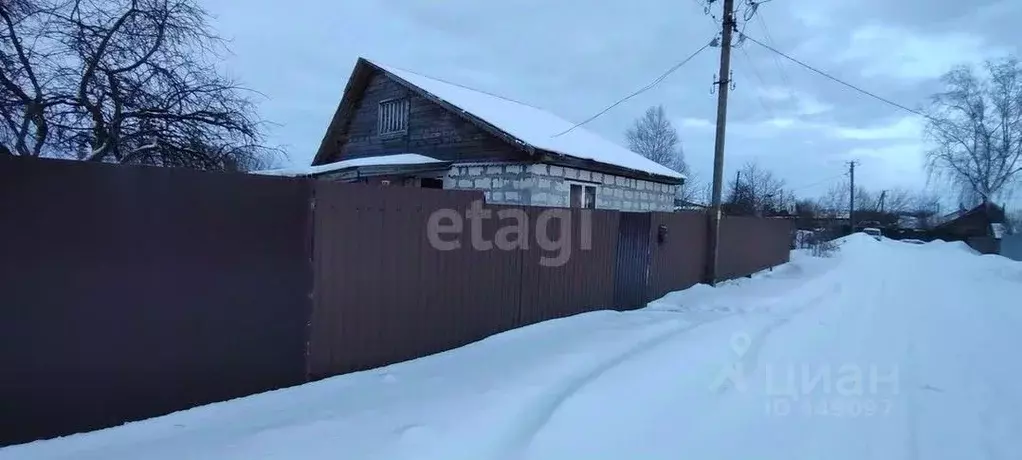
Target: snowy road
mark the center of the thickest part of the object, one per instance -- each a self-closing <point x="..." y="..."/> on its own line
<point x="885" y="351"/>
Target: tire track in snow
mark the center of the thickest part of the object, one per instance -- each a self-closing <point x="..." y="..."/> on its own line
<point x="548" y="406"/>
<point x="537" y="417"/>
<point x="749" y="359"/>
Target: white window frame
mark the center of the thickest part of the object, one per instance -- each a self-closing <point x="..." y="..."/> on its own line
<point x="392" y="116"/>
<point x="593" y="185"/>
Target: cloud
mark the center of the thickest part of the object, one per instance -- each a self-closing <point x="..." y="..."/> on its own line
<point x="888" y="51"/>
<point x="904" y="128"/>
<point x="696" y="123"/>
<point x="774" y="93"/>
<point x="890" y="165"/>
<point x="798" y="102"/>
<point x="773" y="127"/>
<point x="801" y="129"/>
<point x="808" y="105"/>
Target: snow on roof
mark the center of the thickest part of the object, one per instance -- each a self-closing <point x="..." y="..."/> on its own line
<point x="998" y="230"/>
<point x="909" y="222"/>
<point x="941" y="220"/>
<point x="534" y="126"/>
<point x="382" y="160"/>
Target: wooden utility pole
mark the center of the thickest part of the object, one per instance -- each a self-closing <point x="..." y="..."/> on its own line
<point x="723" y="83"/>
<point x="851" y="197"/>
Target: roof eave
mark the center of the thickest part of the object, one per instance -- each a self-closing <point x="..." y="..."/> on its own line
<point x="584" y="163"/>
<point x="337" y="125"/>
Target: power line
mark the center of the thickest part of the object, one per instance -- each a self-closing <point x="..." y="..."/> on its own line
<point x="755" y="72"/>
<point x="707" y="12"/>
<point x="814" y="184"/>
<point x="777" y="62"/>
<point x="842" y="82"/>
<point x="640" y="91"/>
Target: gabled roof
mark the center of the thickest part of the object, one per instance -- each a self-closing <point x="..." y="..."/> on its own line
<point x="522" y="125"/>
<point x="990" y="211"/>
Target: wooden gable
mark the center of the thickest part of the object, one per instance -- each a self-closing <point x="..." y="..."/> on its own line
<point x="434" y="128"/>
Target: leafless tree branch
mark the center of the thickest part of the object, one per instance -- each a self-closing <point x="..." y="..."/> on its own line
<point x="976" y="130"/>
<point x="756" y="191"/>
<point x="129" y="81"/>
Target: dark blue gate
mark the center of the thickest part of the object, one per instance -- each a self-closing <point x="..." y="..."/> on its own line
<point x="631" y="271"/>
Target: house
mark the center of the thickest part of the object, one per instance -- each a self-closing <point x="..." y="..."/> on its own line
<point x="981" y="227"/>
<point x="398" y="127"/>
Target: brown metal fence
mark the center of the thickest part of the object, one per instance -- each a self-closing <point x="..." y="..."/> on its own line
<point x="752" y="244"/>
<point x="584" y="282"/>
<point x="385" y="294"/>
<point x="679" y="260"/>
<point x="129" y="292"/>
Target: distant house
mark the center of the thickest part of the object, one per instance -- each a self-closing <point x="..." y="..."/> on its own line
<point x="397" y="127"/>
<point x="982" y="227"/>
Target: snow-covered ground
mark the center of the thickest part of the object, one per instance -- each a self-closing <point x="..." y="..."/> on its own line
<point x="886" y="350"/>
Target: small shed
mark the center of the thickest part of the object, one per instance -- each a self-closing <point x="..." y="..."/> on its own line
<point x="980" y="227"/>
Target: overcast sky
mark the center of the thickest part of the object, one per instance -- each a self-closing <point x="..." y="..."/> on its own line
<point x="574" y="59"/>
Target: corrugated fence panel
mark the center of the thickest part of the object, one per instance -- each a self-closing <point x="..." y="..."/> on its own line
<point x="632" y="267"/>
<point x="386" y="293"/>
<point x="154" y="290"/>
<point x="585" y="280"/>
<point x="678" y="262"/>
<point x="750" y="244"/>
<point x="131" y="292"/>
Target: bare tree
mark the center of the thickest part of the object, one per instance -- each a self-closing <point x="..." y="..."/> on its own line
<point x="925" y="208"/>
<point x="693" y="190"/>
<point x="654" y="137"/>
<point x="755" y="190"/>
<point x="898" y="200"/>
<point x="865" y="200"/>
<point x="926" y="204"/>
<point x="806" y="208"/>
<point x="125" y="81"/>
<point x="976" y="128"/>
<point x="834" y="201"/>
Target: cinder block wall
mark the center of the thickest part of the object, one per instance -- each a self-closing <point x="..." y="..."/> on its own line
<point x="549" y="185"/>
<point x="501" y="184"/>
<point x="612" y="192"/>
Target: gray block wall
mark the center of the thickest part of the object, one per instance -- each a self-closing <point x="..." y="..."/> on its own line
<point x="553" y="188"/>
<point x="500" y="183"/>
<point x="549" y="185"/>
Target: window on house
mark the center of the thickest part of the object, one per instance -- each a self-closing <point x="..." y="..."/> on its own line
<point x="393" y="117"/>
<point x="583" y="196"/>
<point x="431" y="182"/>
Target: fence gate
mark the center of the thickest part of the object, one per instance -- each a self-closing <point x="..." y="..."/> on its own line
<point x="631" y="272"/>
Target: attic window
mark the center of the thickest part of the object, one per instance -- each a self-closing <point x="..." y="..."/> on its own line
<point x="393" y="117"/>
